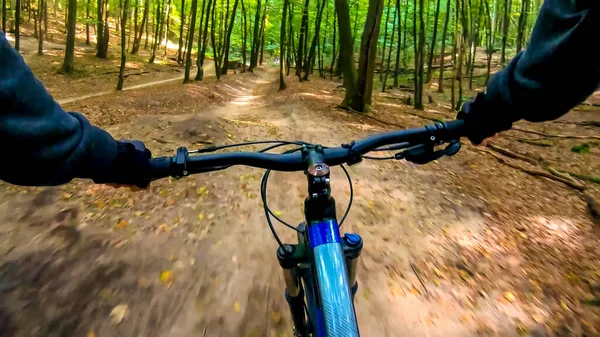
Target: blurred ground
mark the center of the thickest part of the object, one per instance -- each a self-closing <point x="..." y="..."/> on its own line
<point x="500" y="252"/>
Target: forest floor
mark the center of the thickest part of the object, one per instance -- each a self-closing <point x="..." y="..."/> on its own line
<point x="500" y="252"/>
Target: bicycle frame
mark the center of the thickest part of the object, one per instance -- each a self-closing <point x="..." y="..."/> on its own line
<point x="322" y="266"/>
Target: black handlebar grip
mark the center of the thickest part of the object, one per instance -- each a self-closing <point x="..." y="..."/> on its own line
<point x="454" y="129"/>
<point x="160" y="167"/>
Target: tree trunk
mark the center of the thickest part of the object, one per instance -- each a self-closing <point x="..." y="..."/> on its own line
<point x="100" y="29"/>
<point x="443" y="50"/>
<point x="475" y="44"/>
<point x="159" y="32"/>
<point x="282" y="44"/>
<point x="399" y="25"/>
<point x="368" y="53"/>
<point x="225" y="65"/>
<point x="135" y="21"/>
<point x="387" y="19"/>
<point x="87" y="24"/>
<point x="301" y="41"/>
<point x="421" y="53"/>
<point x="244" y="36"/>
<point x="322" y="49"/>
<point x="125" y="11"/>
<point x="4" y="16"/>
<point x="212" y="39"/>
<point x="389" y="57"/>
<point x="404" y="43"/>
<point x="167" y="16"/>
<point x="433" y="41"/>
<point x="454" y="65"/>
<point x="355" y="28"/>
<point x="67" y="66"/>
<point x="17" y="24"/>
<point x="188" y="58"/>
<point x="290" y="46"/>
<point x="263" y="28"/>
<point x="46" y="19"/>
<point x="202" y="46"/>
<point x="253" y="61"/>
<point x="333" y="52"/>
<point x="522" y="24"/>
<point x="40" y="32"/>
<point x="461" y="55"/>
<point x="415" y="52"/>
<point x="311" y="53"/>
<point x="351" y="97"/>
<point x="137" y="40"/>
<point x="179" y="49"/>
<point x="505" y="25"/>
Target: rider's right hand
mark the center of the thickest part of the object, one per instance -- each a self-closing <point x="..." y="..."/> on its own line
<point x="132" y="166"/>
<point x="482" y="119"/>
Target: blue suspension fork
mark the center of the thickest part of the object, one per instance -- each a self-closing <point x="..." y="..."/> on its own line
<point x="332" y="261"/>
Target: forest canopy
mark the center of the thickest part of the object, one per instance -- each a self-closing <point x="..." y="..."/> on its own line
<point x="371" y="44"/>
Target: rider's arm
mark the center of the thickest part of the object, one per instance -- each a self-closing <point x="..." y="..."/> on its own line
<point x="40" y="143"/>
<point x="557" y="71"/>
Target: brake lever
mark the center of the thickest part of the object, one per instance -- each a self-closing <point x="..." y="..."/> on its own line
<point x="425" y="153"/>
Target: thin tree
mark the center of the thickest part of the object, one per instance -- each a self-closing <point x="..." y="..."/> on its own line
<point x="461" y="55"/>
<point x="433" y="42"/>
<point x="125" y="11"/>
<point x="103" y="33"/>
<point x="202" y="50"/>
<point x="455" y="38"/>
<point x="67" y="66"/>
<point x="167" y="19"/>
<point x="159" y="33"/>
<point x="443" y="50"/>
<point x="4" y="16"/>
<point x="334" y="44"/>
<point x="188" y="58"/>
<point x="291" y="51"/>
<point x="505" y="25"/>
<point x="179" y="52"/>
<point x="263" y="29"/>
<point x="282" y="44"/>
<point x="244" y="35"/>
<point x="40" y="33"/>
<point x="253" y="60"/>
<point x="87" y="23"/>
<point x="137" y="40"/>
<point x="311" y="53"/>
<point x="387" y="18"/>
<point x="17" y="24"/>
<point x="399" y="25"/>
<point x="225" y="63"/>
<point x="216" y="56"/>
<point x="302" y="40"/>
<point x="421" y="56"/>
<point x="522" y="24"/>
<point x="389" y="57"/>
<point x="351" y="97"/>
<point x="46" y="19"/>
<point x="135" y="22"/>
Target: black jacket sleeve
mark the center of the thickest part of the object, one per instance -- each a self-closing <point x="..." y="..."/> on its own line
<point x="558" y="70"/>
<point x="40" y="143"/>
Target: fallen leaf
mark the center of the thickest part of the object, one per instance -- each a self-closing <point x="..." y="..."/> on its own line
<point x="278" y="213"/>
<point x="415" y="291"/>
<point x="122" y="224"/>
<point x="91" y="334"/>
<point x="229" y="135"/>
<point x="276" y="317"/>
<point x="237" y="307"/>
<point x="523" y="235"/>
<point x="201" y="216"/>
<point x="118" y="313"/>
<point x="171" y="202"/>
<point x="509" y="296"/>
<point x="138" y="213"/>
<point x="166" y="277"/>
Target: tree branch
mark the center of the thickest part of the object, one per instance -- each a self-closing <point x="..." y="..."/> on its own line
<point x="516" y="128"/>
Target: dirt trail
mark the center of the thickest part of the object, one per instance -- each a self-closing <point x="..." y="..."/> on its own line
<point x="71" y="254"/>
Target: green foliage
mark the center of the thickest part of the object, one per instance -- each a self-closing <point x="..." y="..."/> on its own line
<point x="584" y="147"/>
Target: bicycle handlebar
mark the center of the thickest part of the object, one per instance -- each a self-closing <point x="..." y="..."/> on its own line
<point x="183" y="165"/>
